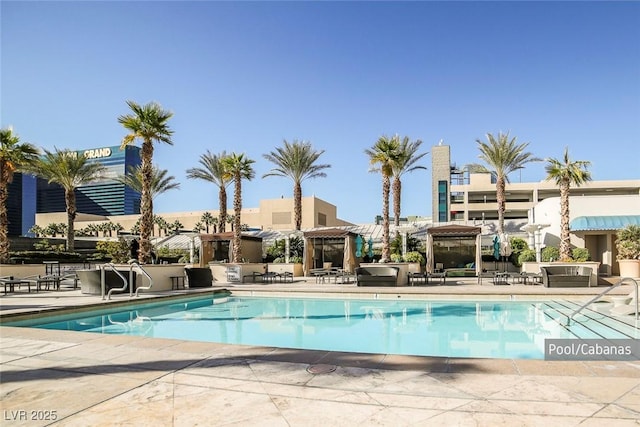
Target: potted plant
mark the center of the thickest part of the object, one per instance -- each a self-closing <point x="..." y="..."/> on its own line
<point x="628" y="247"/>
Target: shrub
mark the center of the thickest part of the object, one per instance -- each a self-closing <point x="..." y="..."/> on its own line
<point x="550" y="253"/>
<point x="628" y="242"/>
<point x="36" y="257"/>
<point x="580" y="254"/>
<point x="527" y="255"/>
<point x="396" y="258"/>
<point x="119" y="251"/>
<point x="414" y="256"/>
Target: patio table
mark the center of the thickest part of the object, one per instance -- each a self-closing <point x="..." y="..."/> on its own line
<point x="11" y="283"/>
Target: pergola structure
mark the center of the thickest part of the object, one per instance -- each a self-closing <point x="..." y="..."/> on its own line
<point x="454" y="246"/>
<point x="330" y="245"/>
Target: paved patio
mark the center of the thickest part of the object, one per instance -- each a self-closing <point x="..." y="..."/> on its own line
<point x="91" y="379"/>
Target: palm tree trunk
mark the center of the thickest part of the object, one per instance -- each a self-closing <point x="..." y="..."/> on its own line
<point x="237" y="207"/>
<point x="222" y="201"/>
<point x="397" y="192"/>
<point x="500" y="196"/>
<point x="70" y="199"/>
<point x="386" y="184"/>
<point x="565" y="242"/>
<point x="146" y="203"/>
<point x="297" y="205"/>
<point x="4" y="219"/>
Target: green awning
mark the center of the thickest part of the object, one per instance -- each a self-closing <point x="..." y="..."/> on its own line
<point x="602" y="223"/>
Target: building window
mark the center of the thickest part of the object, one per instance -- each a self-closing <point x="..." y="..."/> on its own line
<point x="281" y="218"/>
<point x="443" y="207"/>
<point x="322" y="219"/>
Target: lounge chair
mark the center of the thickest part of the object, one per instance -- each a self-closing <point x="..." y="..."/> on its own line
<point x="630" y="307"/>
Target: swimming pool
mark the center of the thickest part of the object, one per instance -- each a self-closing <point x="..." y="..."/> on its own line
<point x="481" y="329"/>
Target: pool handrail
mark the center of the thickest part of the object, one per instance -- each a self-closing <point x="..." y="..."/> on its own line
<point x="583" y="306"/>
<point x="134" y="263"/>
<point x="103" y="280"/>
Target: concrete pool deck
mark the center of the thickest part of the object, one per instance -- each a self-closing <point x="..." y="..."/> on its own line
<point x="92" y="379"/>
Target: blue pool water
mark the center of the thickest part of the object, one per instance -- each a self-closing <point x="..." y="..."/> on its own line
<point x="498" y="329"/>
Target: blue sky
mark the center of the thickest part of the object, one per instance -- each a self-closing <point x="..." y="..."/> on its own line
<point x="243" y="76"/>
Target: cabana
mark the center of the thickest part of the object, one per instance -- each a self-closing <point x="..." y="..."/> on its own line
<point x="456" y="249"/>
<point x="330" y="245"/>
<point x="219" y="247"/>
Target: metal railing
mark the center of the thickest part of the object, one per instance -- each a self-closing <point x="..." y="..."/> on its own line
<point x="606" y="291"/>
<point x="133" y="263"/>
<point x="103" y="280"/>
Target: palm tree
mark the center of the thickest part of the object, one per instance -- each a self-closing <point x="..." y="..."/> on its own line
<point x="213" y="171"/>
<point x="566" y="173"/>
<point x="504" y="155"/>
<point x="296" y="160"/>
<point x="382" y="157"/>
<point x="69" y="170"/>
<point x="207" y="219"/>
<point x="13" y="155"/>
<point x="237" y="167"/>
<point x="406" y="163"/>
<point x="160" y="182"/>
<point x="147" y="123"/>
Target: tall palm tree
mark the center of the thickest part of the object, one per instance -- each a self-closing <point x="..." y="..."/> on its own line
<point x="296" y="160"/>
<point x="382" y="157"/>
<point x="504" y="156"/>
<point x="147" y="123"/>
<point x="237" y="167"/>
<point x="566" y="173"/>
<point x="406" y="162"/>
<point x="13" y="155"/>
<point x="160" y="182"/>
<point x="212" y="171"/>
<point x="70" y="170"/>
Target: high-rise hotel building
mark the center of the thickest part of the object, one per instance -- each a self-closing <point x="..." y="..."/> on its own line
<point x="29" y="195"/>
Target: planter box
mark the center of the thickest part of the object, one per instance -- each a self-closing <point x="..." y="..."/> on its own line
<point x="22" y="270"/>
<point x="223" y="272"/>
<point x="294" y="268"/>
<point x="90" y="281"/>
<point x="160" y="274"/>
<point x="629" y="268"/>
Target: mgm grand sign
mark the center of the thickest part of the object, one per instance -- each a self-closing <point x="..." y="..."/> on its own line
<point x="97" y="153"/>
<point x="94" y="153"/>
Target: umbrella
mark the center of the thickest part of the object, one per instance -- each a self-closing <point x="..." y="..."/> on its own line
<point x="429" y="246"/>
<point x="496" y="247"/>
<point x="359" y="243"/>
<point x="505" y="245"/>
<point x="348" y="263"/>
<point x="370" y="247"/>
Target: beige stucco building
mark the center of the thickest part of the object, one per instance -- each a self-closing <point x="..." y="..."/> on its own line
<point x="460" y="196"/>
<point x="272" y="214"/>
<point x="593" y="221"/>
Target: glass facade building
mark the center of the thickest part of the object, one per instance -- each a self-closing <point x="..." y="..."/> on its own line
<point x="29" y="195"/>
<point x="103" y="197"/>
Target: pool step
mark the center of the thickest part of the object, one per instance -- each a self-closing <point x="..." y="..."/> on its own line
<point x="613" y="322"/>
<point x="589" y="323"/>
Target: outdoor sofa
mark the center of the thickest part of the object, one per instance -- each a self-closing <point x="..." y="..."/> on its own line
<point x="565" y="276"/>
<point x="377" y="276"/>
